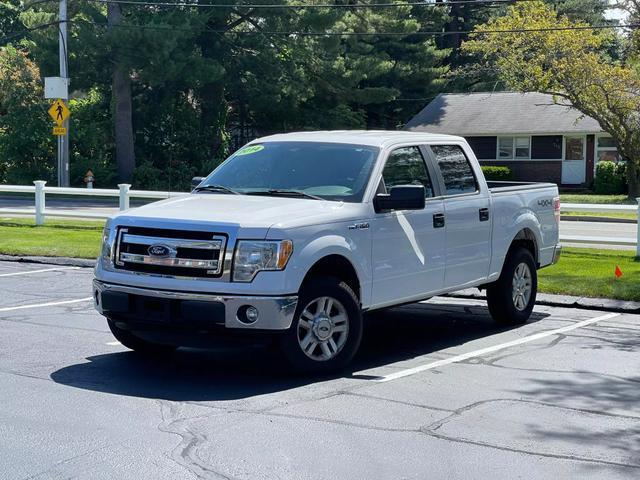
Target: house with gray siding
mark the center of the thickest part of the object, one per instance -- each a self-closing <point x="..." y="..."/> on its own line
<point x="537" y="138"/>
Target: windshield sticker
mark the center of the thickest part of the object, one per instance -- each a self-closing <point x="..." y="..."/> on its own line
<point x="250" y="150"/>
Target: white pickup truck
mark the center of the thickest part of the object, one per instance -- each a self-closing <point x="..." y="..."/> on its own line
<point x="297" y="235"/>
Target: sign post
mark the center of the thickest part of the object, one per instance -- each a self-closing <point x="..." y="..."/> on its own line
<point x="63" y="54"/>
<point x="59" y="113"/>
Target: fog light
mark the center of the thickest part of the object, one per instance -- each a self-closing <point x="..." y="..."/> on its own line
<point x="248" y="314"/>
<point x="252" y="314"/>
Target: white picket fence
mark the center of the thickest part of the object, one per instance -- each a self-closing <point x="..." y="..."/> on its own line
<point x="40" y="190"/>
<point x="124" y="194"/>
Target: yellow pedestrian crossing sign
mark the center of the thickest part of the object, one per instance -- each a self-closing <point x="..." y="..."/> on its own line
<point x="59" y="131"/>
<point x="59" y="112"/>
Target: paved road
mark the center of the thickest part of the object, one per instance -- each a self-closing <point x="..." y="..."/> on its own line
<point x="102" y="206"/>
<point x="600" y="229"/>
<point x="438" y="392"/>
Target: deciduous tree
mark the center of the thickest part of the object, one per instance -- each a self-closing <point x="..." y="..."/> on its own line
<point x="531" y="48"/>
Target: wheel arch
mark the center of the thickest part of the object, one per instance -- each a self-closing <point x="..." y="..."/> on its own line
<point x="339" y="266"/>
<point x="527" y="239"/>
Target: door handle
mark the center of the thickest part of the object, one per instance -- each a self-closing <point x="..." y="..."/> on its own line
<point x="438" y="220"/>
<point x="484" y="214"/>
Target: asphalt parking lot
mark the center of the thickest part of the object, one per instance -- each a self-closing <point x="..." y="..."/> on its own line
<point x="438" y="391"/>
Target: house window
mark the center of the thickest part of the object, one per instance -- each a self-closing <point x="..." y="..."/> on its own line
<point x="505" y="148"/>
<point x="514" y="147"/>
<point x="484" y="147"/>
<point x="523" y="147"/>
<point x="606" y="149"/>
<point x="546" y="147"/>
<point x="574" y="148"/>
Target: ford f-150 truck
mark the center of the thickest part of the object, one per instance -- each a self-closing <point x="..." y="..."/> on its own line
<point x="297" y="235"/>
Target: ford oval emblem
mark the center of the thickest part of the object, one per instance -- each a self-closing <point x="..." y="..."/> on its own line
<point x="161" y="251"/>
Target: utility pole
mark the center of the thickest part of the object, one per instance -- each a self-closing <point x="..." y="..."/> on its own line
<point x="63" y="140"/>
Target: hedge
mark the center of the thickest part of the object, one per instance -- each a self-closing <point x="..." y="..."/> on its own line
<point x="497" y="173"/>
<point x="610" y="178"/>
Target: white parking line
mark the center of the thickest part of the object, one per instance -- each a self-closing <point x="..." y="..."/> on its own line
<point x="28" y="272"/>
<point x="50" y="304"/>
<point x="494" y="348"/>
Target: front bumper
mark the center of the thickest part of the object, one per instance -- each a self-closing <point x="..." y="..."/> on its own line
<point x="198" y="311"/>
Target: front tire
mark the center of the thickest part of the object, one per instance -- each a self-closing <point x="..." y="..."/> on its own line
<point x="137" y="344"/>
<point x="326" y="329"/>
<point x="512" y="297"/>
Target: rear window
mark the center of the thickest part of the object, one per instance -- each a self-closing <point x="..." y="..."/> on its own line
<point x="455" y="169"/>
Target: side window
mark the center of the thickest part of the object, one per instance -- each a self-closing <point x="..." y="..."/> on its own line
<point x="455" y="169"/>
<point x="405" y="166"/>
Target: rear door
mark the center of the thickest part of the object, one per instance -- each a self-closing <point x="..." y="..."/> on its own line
<point x="467" y="217"/>
<point x="408" y="245"/>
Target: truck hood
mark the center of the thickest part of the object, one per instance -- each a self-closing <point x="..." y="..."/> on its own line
<point x="245" y="211"/>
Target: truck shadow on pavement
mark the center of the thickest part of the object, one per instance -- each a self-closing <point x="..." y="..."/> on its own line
<point x="231" y="372"/>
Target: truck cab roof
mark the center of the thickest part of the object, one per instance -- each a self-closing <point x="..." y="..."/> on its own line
<point x="374" y="138"/>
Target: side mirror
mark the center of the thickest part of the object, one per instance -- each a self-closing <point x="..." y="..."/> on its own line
<point x="401" y="197"/>
<point x="195" y="181"/>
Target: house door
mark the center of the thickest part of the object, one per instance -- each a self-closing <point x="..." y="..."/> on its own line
<point x="574" y="163"/>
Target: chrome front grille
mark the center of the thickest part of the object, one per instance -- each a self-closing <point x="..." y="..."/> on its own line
<point x="170" y="252"/>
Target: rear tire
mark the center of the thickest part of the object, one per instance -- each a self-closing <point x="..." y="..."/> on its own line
<point x="327" y="327"/>
<point x="137" y="344"/>
<point x="512" y="297"/>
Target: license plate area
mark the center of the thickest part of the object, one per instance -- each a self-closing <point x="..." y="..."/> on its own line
<point x="154" y="310"/>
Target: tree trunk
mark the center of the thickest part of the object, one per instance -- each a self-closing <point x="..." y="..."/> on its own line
<point x="633" y="179"/>
<point x="213" y="117"/>
<point x="121" y="91"/>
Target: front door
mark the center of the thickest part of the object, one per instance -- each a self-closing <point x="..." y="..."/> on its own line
<point x="574" y="164"/>
<point x="467" y="216"/>
<point x="408" y="246"/>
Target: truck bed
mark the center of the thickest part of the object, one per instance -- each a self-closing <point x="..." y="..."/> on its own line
<point x="500" y="187"/>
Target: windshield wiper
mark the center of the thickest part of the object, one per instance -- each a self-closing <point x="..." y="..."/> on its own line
<point x="215" y="188"/>
<point x="284" y="193"/>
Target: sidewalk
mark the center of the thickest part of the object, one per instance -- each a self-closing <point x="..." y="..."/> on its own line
<point x="570" y="301"/>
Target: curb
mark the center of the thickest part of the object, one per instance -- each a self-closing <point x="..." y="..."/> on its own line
<point x="64" y="261"/>
<point x="585" y="218"/>
<point x="567" y="301"/>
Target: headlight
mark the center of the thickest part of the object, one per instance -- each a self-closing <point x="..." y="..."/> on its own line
<point x="253" y="256"/>
<point x="107" y="244"/>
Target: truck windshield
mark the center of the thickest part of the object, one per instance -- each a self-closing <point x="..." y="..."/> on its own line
<point x="330" y="171"/>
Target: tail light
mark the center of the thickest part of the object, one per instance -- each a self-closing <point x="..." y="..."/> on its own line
<point x="556" y="209"/>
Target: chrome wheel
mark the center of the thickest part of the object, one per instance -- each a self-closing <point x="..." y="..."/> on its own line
<point x="323" y="328"/>
<point x="522" y="286"/>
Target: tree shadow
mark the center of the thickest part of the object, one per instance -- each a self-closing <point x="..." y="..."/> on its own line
<point x="230" y="371"/>
<point x="608" y="407"/>
<point x="606" y="338"/>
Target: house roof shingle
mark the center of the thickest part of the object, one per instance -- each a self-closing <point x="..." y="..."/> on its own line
<point x="497" y="113"/>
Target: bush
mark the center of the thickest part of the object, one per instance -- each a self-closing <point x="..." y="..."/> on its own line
<point x="610" y="178"/>
<point x="497" y="173"/>
<point x="91" y="145"/>
<point x="27" y="148"/>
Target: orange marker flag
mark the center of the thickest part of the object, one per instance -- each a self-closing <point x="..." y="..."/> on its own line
<point x="618" y="272"/>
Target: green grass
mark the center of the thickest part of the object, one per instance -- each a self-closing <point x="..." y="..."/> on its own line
<point x="58" y="238"/>
<point x="591" y="273"/>
<point x="593" y="198"/>
<point x="630" y="216"/>
<point x="581" y="272"/>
